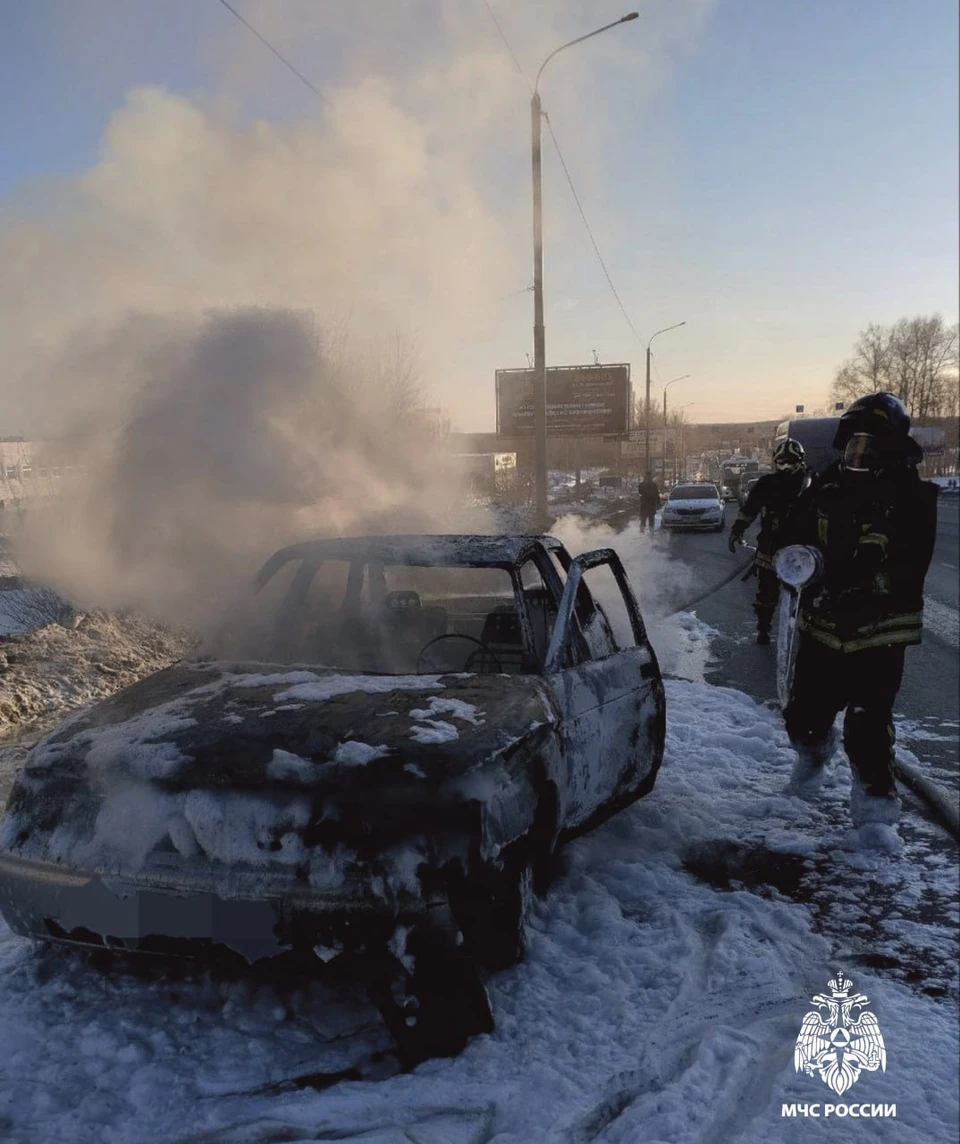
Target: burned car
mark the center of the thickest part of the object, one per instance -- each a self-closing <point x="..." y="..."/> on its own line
<point x="427" y="719"/>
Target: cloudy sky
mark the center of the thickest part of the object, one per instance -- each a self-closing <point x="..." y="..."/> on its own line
<point x="776" y="175"/>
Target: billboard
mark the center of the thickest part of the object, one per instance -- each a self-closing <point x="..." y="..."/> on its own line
<point x="582" y="401"/>
<point x="636" y="445"/>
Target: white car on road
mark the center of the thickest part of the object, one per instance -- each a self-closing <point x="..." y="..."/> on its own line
<point x="696" y="504"/>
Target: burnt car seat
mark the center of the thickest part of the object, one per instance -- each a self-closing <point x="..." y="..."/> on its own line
<point x="543" y="612"/>
<point x="406" y="626"/>
<point x="502" y="635"/>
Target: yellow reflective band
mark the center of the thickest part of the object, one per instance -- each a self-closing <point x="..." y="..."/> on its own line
<point x="879" y="640"/>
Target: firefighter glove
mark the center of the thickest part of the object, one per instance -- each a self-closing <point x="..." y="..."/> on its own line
<point x="736" y="536"/>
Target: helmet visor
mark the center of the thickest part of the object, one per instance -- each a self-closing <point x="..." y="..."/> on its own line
<point x="864" y="453"/>
<point x="788" y="464"/>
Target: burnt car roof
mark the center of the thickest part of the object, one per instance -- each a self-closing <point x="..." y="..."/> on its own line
<point x="464" y="550"/>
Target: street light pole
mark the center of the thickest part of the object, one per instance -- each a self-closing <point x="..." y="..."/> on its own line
<point x="539" y="337"/>
<point x="539" y="346"/>
<point x="646" y="464"/>
<point x="663" y="451"/>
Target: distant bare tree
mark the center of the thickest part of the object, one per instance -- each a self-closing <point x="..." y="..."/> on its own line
<point x="916" y="359"/>
<point x="400" y="382"/>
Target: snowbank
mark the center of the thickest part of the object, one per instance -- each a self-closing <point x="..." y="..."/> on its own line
<point x="53" y="669"/>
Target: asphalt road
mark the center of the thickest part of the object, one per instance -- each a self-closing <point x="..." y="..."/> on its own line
<point x="943" y="579"/>
<point x="928" y="706"/>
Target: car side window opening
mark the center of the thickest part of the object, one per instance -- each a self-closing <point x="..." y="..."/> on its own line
<point x="610" y="629"/>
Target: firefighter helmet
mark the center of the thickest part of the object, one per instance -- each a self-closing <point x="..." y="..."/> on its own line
<point x="788" y="455"/>
<point x="874" y="433"/>
<point x="880" y="414"/>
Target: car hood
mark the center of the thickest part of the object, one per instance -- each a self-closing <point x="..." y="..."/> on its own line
<point x="248" y="725"/>
<point x="257" y="764"/>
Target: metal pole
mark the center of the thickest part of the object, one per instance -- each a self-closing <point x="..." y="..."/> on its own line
<point x="539" y="351"/>
<point x="539" y="347"/>
<point x="646" y="463"/>
<point x="652" y="336"/>
<point x="663" y="451"/>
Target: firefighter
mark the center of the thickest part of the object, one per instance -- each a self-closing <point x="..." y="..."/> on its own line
<point x="874" y="520"/>
<point x="771" y="498"/>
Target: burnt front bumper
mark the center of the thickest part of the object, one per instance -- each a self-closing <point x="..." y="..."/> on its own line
<point x="187" y="914"/>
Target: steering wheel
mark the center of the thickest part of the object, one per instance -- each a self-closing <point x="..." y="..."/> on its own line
<point x="481" y="648"/>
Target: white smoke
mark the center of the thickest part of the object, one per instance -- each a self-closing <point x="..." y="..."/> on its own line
<point x="154" y="310"/>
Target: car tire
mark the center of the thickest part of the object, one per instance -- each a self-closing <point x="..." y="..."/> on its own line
<point x="491" y="909"/>
<point x="433" y="1010"/>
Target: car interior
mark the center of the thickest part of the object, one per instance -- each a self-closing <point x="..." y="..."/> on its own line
<point x="438" y="626"/>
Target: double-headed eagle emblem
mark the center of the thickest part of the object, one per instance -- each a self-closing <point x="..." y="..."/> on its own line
<point x="838" y="1040"/>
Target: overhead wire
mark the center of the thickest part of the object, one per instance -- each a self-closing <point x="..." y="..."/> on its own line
<point x="283" y="59"/>
<point x="506" y="44"/>
<point x="565" y="169"/>
<point x="596" y="248"/>
<point x="567" y="175"/>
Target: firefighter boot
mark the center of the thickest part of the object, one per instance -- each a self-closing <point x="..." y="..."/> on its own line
<point x="875" y="818"/>
<point x="811" y="766"/>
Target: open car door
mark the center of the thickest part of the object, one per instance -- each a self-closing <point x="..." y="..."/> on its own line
<point x="607" y="682"/>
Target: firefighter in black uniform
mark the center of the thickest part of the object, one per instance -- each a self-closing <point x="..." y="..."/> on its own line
<point x="771" y="498"/>
<point x="874" y="520"/>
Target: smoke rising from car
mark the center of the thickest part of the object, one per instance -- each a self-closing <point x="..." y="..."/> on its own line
<point x="149" y="309"/>
<point x="242" y="432"/>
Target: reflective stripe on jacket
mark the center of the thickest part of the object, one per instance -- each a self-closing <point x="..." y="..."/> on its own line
<point x="895" y="628"/>
<point x="877" y="535"/>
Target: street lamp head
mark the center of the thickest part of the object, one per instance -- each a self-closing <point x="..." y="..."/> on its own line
<point x="579" y="40"/>
<point x="675" y="326"/>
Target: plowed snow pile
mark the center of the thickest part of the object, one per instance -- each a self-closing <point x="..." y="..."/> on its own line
<point x="52" y="669"/>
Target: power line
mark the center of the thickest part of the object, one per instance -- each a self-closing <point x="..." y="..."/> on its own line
<point x="286" y="63"/>
<point x="573" y="189"/>
<point x="576" y="199"/>
<point x="506" y="44"/>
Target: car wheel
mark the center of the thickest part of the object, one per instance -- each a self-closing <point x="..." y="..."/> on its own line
<point x="491" y="909"/>
<point x="433" y="1010"/>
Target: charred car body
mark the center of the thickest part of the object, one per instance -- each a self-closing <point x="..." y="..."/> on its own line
<point x="427" y="719"/>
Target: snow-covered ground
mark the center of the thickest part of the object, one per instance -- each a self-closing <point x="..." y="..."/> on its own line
<point x="661" y="999"/>
<point x="50" y="669"/>
<point x="668" y="974"/>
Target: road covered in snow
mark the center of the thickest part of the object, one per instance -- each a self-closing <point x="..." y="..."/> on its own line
<point x="668" y="975"/>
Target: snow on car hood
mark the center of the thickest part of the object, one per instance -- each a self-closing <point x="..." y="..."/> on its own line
<point x="237" y="760"/>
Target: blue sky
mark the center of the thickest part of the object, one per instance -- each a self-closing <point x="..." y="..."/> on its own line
<point x="775" y="174"/>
